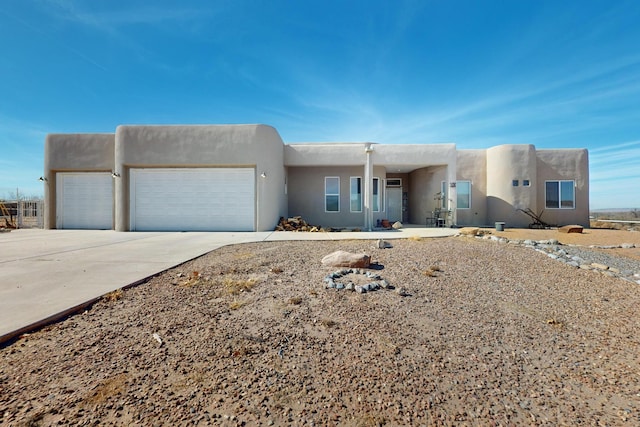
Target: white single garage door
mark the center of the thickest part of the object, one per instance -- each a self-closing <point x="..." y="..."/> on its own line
<point x="200" y="199"/>
<point x="84" y="200"/>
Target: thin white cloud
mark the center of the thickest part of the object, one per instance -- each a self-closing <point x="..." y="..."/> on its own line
<point x="616" y="147"/>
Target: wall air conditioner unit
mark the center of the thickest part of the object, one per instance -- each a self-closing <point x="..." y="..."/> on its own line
<point x="394" y="182"/>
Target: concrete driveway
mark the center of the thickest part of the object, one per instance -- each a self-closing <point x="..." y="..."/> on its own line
<point x="47" y="274"/>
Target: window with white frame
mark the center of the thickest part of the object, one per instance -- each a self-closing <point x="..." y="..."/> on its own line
<point x="560" y="194"/>
<point x="463" y="191"/>
<point x="377" y="195"/>
<point x="332" y="194"/>
<point x="526" y="183"/>
<point x="443" y="195"/>
<point x="355" y="194"/>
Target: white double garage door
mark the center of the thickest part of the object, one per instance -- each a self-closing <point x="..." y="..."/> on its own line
<point x="168" y="199"/>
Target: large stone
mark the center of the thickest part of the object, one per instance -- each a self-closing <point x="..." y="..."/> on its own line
<point x="571" y="229"/>
<point x="346" y="259"/>
<point x="470" y="231"/>
<point x="383" y="244"/>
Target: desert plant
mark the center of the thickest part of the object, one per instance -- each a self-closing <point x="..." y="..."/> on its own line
<point x="235" y="304"/>
<point x="328" y="323"/>
<point x="114" y="295"/>
<point x="237" y="286"/>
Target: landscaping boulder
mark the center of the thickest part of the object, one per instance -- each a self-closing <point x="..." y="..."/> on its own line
<point x="571" y="229"/>
<point x="346" y="259"/>
<point x="470" y="231"/>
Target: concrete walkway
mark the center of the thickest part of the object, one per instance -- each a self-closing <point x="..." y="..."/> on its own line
<point x="47" y="274"/>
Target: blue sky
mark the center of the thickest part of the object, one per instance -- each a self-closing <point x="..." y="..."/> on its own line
<point x="557" y="74"/>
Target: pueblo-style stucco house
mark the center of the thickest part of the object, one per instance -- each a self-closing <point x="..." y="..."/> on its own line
<point x="244" y="178"/>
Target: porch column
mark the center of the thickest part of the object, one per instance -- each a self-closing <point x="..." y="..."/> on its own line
<point x="368" y="189"/>
<point x="452" y="193"/>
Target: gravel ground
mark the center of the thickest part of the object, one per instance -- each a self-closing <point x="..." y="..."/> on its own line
<point x="489" y="334"/>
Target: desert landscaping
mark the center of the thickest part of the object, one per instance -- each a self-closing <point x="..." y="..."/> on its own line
<point x="520" y="327"/>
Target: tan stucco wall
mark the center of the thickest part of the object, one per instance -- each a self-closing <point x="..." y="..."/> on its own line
<point x="73" y="153"/>
<point x="472" y="166"/>
<point x="306" y="195"/>
<point x="506" y="163"/>
<point x="425" y="183"/>
<point x="322" y="154"/>
<point x="562" y="164"/>
<point x="256" y="146"/>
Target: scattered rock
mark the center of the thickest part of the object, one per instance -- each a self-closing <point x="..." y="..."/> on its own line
<point x="402" y="292"/>
<point x="157" y="338"/>
<point x="296" y="223"/>
<point x="554" y="250"/>
<point x="397" y="225"/>
<point x="377" y="283"/>
<point x="383" y="244"/>
<point x="346" y="259"/>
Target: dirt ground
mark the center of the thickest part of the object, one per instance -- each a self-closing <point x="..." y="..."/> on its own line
<point x="483" y="334"/>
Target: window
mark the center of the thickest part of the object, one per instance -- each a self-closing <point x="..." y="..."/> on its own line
<point x="355" y="194"/>
<point x="526" y="183"/>
<point x="332" y="194"/>
<point x="515" y="182"/>
<point x="443" y="195"/>
<point x="464" y="194"/>
<point x="29" y="209"/>
<point x="377" y="195"/>
<point x="560" y="194"/>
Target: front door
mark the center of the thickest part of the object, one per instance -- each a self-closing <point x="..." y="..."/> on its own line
<point x="394" y="204"/>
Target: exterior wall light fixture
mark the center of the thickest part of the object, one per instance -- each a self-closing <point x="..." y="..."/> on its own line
<point x="115" y="174"/>
<point x="263" y="175"/>
<point x="42" y="179"/>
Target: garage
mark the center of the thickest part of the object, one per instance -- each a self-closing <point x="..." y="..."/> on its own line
<point x="192" y="199"/>
<point x="85" y="200"/>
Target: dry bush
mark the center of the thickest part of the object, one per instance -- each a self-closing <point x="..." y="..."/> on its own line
<point x="328" y="323"/>
<point x="193" y="279"/>
<point x="432" y="271"/>
<point x="108" y="388"/>
<point x="116" y="295"/>
<point x="237" y="304"/>
<point x="238" y="286"/>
